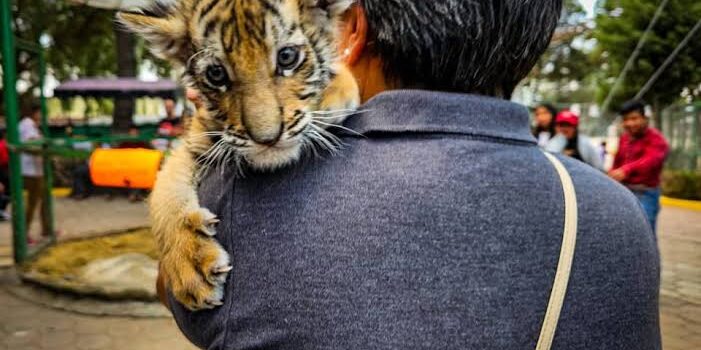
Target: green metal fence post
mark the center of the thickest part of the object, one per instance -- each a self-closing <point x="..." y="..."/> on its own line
<point x="48" y="201"/>
<point x="19" y="228"/>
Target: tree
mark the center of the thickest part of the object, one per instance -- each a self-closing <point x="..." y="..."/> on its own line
<point x="619" y="27"/>
<point x="79" y="41"/>
<point x="126" y="67"/>
<point x="562" y="74"/>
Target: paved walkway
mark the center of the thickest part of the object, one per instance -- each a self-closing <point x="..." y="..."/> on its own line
<point x="92" y="216"/>
<point x="680" y="298"/>
<point x="28" y="326"/>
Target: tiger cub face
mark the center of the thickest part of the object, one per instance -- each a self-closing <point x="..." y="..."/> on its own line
<point x="261" y="66"/>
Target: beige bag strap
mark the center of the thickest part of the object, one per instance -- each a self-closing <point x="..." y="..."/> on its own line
<point x="562" y="276"/>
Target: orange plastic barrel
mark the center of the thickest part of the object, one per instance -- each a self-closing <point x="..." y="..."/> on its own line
<point x="126" y="168"/>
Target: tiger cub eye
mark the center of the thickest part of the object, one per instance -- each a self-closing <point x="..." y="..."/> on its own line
<point x="217" y="76"/>
<point x="288" y="58"/>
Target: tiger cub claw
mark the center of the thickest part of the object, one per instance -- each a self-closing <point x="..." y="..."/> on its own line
<point x="196" y="268"/>
<point x="203" y="221"/>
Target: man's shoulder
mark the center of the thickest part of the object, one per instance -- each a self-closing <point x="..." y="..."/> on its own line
<point x="590" y="180"/>
<point x="655" y="132"/>
<point x="656" y="135"/>
<point x="616" y="256"/>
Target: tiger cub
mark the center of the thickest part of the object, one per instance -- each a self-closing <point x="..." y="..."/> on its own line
<point x="270" y="81"/>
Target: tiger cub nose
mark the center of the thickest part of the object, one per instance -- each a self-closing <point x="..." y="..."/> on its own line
<point x="266" y="137"/>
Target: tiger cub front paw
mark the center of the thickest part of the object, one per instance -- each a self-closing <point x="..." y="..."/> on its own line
<point x="195" y="266"/>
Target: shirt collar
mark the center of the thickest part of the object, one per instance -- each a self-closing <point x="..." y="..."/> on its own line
<point x="418" y="111"/>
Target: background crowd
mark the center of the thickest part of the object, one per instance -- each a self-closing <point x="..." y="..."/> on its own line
<point x="639" y="157"/>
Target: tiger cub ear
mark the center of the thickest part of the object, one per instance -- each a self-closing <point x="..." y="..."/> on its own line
<point x="333" y="7"/>
<point x="164" y="31"/>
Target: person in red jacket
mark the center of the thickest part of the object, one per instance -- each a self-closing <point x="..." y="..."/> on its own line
<point x="641" y="155"/>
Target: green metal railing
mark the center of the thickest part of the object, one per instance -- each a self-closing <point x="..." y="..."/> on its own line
<point x="49" y="146"/>
<point x="12" y="114"/>
<point x="10" y="45"/>
<point x="681" y="125"/>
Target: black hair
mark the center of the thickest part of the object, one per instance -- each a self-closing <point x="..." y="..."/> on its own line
<point x="633" y="106"/>
<point x="475" y="46"/>
<point x="573" y="145"/>
<point x="551" y="127"/>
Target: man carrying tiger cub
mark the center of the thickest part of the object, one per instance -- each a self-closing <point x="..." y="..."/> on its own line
<point x="438" y="225"/>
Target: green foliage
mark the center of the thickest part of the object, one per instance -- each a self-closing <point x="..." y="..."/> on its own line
<point x="682" y="184"/>
<point x="79" y="41"/>
<point x="617" y="37"/>
<point x="144" y="56"/>
<point x="567" y="60"/>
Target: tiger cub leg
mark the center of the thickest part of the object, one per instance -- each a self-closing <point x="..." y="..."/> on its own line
<point x="194" y="266"/>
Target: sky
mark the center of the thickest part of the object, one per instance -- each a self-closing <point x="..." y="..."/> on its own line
<point x="589" y="6"/>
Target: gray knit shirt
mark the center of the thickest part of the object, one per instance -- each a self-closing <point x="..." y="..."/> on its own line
<point x="440" y="228"/>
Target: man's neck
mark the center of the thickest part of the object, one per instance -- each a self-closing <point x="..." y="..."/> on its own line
<point x="370" y="76"/>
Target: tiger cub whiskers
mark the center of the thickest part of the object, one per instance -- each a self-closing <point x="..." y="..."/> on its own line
<point x="225" y="158"/>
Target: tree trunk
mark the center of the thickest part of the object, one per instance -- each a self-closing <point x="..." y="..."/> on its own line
<point x="126" y="67"/>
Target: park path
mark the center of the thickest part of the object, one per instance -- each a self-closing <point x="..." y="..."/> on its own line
<point x="95" y="215"/>
<point x="680" y="297"/>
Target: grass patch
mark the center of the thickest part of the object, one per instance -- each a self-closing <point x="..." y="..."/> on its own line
<point x="66" y="259"/>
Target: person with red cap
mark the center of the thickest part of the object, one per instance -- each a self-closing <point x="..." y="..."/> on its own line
<point x="571" y="143"/>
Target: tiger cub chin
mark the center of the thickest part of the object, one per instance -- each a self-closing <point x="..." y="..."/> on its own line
<point x="270" y="82"/>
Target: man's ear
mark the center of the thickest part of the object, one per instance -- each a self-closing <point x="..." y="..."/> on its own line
<point x="353" y="40"/>
<point x="164" y="31"/>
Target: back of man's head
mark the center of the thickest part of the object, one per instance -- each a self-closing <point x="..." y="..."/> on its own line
<point x="476" y="46"/>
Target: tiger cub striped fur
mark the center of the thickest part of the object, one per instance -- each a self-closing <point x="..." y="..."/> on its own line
<point x="270" y="80"/>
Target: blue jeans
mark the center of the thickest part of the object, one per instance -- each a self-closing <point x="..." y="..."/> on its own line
<point x="650" y="200"/>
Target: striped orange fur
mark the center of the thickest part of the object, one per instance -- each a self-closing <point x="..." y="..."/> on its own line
<point x="270" y="81"/>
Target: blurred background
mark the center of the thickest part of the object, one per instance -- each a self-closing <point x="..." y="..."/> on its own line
<point x="81" y="274"/>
